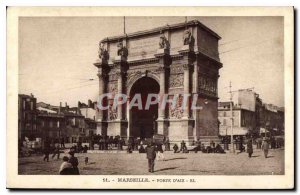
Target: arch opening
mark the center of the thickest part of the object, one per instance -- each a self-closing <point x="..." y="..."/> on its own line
<point x="143" y="121"/>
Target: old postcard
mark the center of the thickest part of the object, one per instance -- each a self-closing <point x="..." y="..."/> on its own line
<point x="150" y="98"/>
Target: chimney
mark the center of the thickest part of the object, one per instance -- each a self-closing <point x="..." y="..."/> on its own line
<point x="90" y="104"/>
<point x="31" y="94"/>
<point x="66" y="104"/>
<point x="59" y="109"/>
<point x="79" y="104"/>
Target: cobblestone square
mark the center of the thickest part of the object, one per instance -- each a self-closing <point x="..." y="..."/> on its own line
<point x="174" y="164"/>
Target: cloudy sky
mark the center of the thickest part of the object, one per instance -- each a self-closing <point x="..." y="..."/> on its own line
<point x="56" y="54"/>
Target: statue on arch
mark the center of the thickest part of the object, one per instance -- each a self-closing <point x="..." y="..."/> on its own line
<point x="122" y="50"/>
<point x="188" y="38"/>
<point x="103" y="54"/>
<point x="163" y="42"/>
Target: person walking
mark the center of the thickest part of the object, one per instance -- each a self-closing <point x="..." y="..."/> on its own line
<point x="265" y="147"/>
<point x="151" y="155"/>
<point x="46" y="150"/>
<point x="249" y="148"/>
<point x="62" y="142"/>
<point x="56" y="152"/>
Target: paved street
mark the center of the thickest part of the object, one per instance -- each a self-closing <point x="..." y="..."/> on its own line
<point x="175" y="164"/>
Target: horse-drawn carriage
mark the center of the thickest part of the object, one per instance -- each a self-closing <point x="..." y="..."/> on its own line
<point x="30" y="147"/>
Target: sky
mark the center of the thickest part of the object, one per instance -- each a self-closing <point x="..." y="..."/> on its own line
<point x="56" y="54"/>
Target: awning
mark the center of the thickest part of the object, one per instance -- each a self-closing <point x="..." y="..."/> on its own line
<point x="226" y="130"/>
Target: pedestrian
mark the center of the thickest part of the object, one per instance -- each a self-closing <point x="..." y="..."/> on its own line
<point x="249" y="148"/>
<point x="175" y="148"/>
<point x="183" y="147"/>
<point x="46" y="150"/>
<point x="85" y="149"/>
<point x="198" y="145"/>
<point x="167" y="144"/>
<point x="74" y="162"/>
<point x="56" y="152"/>
<point x="212" y="145"/>
<point x="86" y="160"/>
<point x="160" y="152"/>
<point x="258" y="143"/>
<point x="66" y="168"/>
<point x="265" y="147"/>
<point x="62" y="142"/>
<point x="219" y="149"/>
<point x="142" y="149"/>
<point x="151" y="155"/>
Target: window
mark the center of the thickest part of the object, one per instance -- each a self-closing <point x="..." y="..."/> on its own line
<point x="42" y="123"/>
<point x="224" y="113"/>
<point x="50" y="124"/>
<point x="224" y="121"/>
<point x="31" y="105"/>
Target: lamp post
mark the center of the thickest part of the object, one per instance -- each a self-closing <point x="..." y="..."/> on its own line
<point x="231" y="118"/>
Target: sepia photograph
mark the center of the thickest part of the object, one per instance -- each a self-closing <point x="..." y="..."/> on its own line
<point x="156" y="100"/>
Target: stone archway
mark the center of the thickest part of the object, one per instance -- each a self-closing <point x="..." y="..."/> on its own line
<point x="142" y="122"/>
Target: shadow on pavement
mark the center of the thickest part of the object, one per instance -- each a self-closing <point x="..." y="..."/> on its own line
<point x="175" y="158"/>
<point x="164" y="169"/>
<point x="28" y="162"/>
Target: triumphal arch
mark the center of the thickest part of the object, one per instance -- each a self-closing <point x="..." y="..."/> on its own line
<point x="170" y="60"/>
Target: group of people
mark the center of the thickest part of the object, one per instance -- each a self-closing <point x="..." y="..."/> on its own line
<point x="51" y="148"/>
<point x="107" y="142"/>
<point x="79" y="148"/>
<point x="137" y="144"/>
<point x="264" y="146"/>
<point x="69" y="165"/>
<point x="154" y="151"/>
<point x="197" y="146"/>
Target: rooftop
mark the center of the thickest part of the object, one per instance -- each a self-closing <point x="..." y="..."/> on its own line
<point x="162" y="28"/>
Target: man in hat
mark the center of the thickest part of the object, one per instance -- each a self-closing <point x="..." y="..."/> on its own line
<point x="265" y="147"/>
<point x="74" y="162"/>
<point x="249" y="148"/>
<point x="151" y="155"/>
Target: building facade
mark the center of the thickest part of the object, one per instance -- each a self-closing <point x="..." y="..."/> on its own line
<point x="27" y="119"/>
<point x="51" y="125"/>
<point x="170" y="60"/>
<point x="272" y="120"/>
<point x="89" y="111"/>
<point x="244" y="121"/>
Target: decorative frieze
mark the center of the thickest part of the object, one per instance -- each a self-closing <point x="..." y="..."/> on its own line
<point x="207" y="86"/>
<point x="176" y="69"/>
<point x="112" y="87"/>
<point x="112" y="113"/>
<point x="176" y="80"/>
<point x="177" y="111"/>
